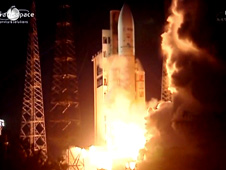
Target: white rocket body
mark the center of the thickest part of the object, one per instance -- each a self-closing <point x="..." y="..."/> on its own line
<point x="126" y="48"/>
<point x="118" y="44"/>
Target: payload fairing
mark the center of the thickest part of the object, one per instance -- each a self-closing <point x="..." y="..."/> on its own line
<point x="118" y="42"/>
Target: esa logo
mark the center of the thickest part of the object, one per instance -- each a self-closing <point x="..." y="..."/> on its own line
<point x="14" y="14"/>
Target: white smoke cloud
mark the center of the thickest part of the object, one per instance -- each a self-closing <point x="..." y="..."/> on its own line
<point x="191" y="129"/>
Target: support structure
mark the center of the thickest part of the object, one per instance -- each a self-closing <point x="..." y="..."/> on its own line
<point x="33" y="132"/>
<point x="74" y="159"/>
<point x="64" y="124"/>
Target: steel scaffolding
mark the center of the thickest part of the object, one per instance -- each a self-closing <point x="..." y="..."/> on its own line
<point x="33" y="132"/>
<point x="64" y="114"/>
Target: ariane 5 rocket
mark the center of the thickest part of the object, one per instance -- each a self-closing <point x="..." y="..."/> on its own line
<point x="118" y="41"/>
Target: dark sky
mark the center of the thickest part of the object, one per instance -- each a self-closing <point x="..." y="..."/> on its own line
<point x="89" y="19"/>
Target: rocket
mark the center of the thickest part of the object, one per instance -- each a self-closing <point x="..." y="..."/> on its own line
<point x="117" y="43"/>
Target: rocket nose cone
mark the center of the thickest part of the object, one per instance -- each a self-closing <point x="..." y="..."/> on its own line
<point x="125" y="8"/>
<point x="125" y="14"/>
<point x="125" y="32"/>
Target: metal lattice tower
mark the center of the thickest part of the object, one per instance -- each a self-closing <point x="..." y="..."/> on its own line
<point x="165" y="93"/>
<point x="64" y="114"/>
<point x="75" y="159"/>
<point x="33" y="132"/>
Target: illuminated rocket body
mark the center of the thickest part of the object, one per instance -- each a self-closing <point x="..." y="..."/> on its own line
<point x="126" y="33"/>
<point x="119" y="41"/>
<point x="126" y="46"/>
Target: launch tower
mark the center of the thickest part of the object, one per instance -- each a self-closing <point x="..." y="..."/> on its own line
<point x="33" y="132"/>
<point x="64" y="114"/>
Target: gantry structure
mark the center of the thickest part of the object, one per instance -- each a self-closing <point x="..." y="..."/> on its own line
<point x="64" y="124"/>
<point x="33" y="131"/>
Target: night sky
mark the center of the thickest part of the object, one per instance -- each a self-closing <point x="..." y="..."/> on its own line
<point x="89" y="19"/>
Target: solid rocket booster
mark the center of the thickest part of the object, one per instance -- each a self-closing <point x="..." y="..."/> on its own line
<point x="126" y="48"/>
<point x="126" y="32"/>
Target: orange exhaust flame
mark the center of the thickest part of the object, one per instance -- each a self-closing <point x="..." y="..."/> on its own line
<point x="125" y="133"/>
<point x="124" y="123"/>
<point x="125" y="138"/>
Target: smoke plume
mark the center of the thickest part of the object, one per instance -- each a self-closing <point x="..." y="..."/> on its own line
<point x="192" y="127"/>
